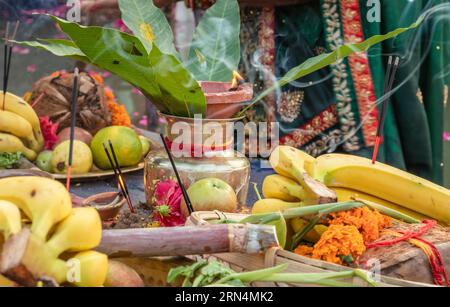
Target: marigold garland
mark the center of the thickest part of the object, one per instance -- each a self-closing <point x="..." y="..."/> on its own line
<point x="347" y="236"/>
<point x="337" y="242"/>
<point x="369" y="222"/>
<point x="119" y="114"/>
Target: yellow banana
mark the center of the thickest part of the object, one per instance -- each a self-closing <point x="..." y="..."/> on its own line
<point x="295" y="164"/>
<point x="10" y="220"/>
<point x="5" y="282"/>
<point x="386" y="182"/>
<point x="313" y="235"/>
<point x="20" y="107"/>
<point x="69" y="236"/>
<point x="344" y="194"/>
<point x="284" y="188"/>
<point x="11" y="143"/>
<point x="93" y="269"/>
<point x="18" y="126"/>
<point x="272" y="205"/>
<point x="45" y="201"/>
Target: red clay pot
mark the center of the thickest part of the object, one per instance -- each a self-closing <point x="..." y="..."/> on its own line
<point x="223" y="103"/>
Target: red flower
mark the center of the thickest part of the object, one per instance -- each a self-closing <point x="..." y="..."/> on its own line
<point x="49" y="132"/>
<point x="168" y="197"/>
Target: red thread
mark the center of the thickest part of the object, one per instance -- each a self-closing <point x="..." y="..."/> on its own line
<point x="428" y="224"/>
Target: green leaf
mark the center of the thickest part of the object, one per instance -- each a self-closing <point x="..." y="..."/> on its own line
<point x="59" y="47"/>
<point x="9" y="159"/>
<point x="149" y="24"/>
<point x="215" y="47"/>
<point x="161" y="77"/>
<point x="316" y="63"/>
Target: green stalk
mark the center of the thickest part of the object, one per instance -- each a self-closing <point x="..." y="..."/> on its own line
<point x="253" y="275"/>
<point x="316" y="209"/>
<point x="389" y="212"/>
<point x="274" y="275"/>
<point x="299" y="235"/>
<point x="255" y="187"/>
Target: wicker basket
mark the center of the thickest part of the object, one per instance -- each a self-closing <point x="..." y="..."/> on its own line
<point x="275" y="256"/>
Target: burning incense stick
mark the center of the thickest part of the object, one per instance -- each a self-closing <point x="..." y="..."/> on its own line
<point x="121" y="183"/>
<point x="72" y="125"/>
<point x="7" y="58"/>
<point x="120" y="176"/>
<point x="388" y="83"/>
<point x="180" y="183"/>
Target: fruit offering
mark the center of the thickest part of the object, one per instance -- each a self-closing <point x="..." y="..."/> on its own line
<point x="20" y="129"/>
<point x="58" y="236"/>
<point x="211" y="194"/>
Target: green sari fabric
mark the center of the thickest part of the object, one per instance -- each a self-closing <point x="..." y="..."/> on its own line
<point x="413" y="134"/>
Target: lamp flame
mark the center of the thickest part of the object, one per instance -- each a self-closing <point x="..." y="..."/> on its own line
<point x="235" y="80"/>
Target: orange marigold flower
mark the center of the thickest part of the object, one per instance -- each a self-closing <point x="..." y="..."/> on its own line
<point x="304" y="250"/>
<point x="97" y="77"/>
<point x="337" y="242"/>
<point x="119" y="114"/>
<point x="369" y="222"/>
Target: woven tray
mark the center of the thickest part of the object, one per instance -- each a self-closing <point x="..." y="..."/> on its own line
<point x="275" y="256"/>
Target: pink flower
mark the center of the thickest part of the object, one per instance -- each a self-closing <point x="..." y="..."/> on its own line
<point x="49" y="132"/>
<point x="168" y="197"/>
<point x="20" y="50"/>
<point x="446" y="136"/>
<point x="31" y="68"/>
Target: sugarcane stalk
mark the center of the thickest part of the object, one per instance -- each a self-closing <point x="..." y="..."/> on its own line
<point x="189" y="240"/>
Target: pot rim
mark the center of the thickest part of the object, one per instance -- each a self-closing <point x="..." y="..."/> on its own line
<point x="242" y="94"/>
<point x="191" y="119"/>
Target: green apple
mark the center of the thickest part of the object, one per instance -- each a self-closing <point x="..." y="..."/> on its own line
<point x="145" y="145"/>
<point x="211" y="194"/>
<point x="43" y="161"/>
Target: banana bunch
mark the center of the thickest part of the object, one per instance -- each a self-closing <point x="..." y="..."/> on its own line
<point x="58" y="237"/>
<point x="20" y="130"/>
<point x="352" y="177"/>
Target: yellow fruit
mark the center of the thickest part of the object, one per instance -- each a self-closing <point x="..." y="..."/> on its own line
<point x="11" y="143"/>
<point x="284" y="188"/>
<point x="313" y="235"/>
<point x="5" y="282"/>
<point x="93" y="269"/>
<point x="385" y="182"/>
<point x="81" y="230"/>
<point x="16" y="125"/>
<point x="20" y="107"/>
<point x="81" y="162"/>
<point x="126" y="142"/>
<point x="348" y="195"/>
<point x="44" y="201"/>
<point x="273" y="205"/>
<point x="10" y="219"/>
<point x="295" y="164"/>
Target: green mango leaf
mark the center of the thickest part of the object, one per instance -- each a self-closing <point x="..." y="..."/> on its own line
<point x="149" y="25"/>
<point x="215" y="48"/>
<point x="161" y="77"/>
<point x="59" y="47"/>
<point x="316" y="63"/>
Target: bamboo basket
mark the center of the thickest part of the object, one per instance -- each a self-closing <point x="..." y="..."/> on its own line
<point x="276" y="256"/>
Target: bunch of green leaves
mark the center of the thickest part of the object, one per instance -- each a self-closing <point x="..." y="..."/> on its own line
<point x="216" y="274"/>
<point x="10" y="159"/>
<point x="148" y="58"/>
